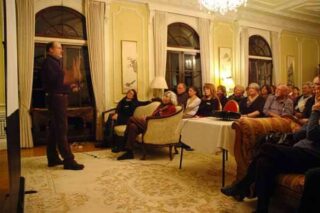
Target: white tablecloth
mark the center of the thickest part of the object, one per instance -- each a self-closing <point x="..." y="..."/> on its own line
<point x="208" y="135"/>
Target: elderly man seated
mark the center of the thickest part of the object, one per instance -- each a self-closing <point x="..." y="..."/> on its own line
<point x="274" y="159"/>
<point x="278" y="104"/>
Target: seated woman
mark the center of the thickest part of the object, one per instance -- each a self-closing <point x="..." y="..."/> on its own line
<point x="238" y="93"/>
<point x="252" y="106"/>
<point x="265" y="91"/>
<point x="222" y="95"/>
<point x="123" y="112"/>
<point x="209" y="102"/>
<point x="136" y="126"/>
<point x="193" y="103"/>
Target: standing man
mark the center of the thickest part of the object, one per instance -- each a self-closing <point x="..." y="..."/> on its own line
<point x="57" y="84"/>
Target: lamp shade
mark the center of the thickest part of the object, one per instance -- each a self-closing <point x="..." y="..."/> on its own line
<point x="159" y="83"/>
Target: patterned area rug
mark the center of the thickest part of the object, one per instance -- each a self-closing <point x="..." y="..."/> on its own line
<point x="153" y="185"/>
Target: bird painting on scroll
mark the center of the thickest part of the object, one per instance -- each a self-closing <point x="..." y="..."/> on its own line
<point x="129" y="65"/>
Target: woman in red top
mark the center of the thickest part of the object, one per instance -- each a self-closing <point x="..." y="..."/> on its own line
<point x="136" y="126"/>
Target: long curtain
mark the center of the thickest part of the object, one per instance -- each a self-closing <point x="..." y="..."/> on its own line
<point x="95" y="12"/>
<point x="160" y="44"/>
<point x="25" y="26"/>
<point x="204" y="34"/>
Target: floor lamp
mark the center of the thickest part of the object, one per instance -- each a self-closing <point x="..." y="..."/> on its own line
<point x="158" y="84"/>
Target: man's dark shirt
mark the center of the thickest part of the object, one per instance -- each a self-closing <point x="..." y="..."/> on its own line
<point x="182" y="99"/>
<point x="52" y="76"/>
<point x="308" y="107"/>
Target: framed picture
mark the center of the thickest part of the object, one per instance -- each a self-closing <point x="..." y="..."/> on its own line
<point x="290" y="70"/>
<point x="129" y="65"/>
<point x="225" y="62"/>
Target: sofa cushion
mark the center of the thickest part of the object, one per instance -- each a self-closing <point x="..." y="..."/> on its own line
<point x="251" y="128"/>
<point x="294" y="182"/>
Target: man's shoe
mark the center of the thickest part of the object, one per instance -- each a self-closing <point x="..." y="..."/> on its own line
<point x="126" y="156"/>
<point x="73" y="165"/>
<point x="55" y="162"/>
<point x="235" y="192"/>
<point x="117" y="149"/>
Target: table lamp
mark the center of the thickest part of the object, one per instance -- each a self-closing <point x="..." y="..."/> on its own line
<point x="158" y="84"/>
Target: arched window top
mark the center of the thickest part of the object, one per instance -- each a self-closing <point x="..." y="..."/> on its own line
<point x="182" y="35"/>
<point x="258" y="46"/>
<point x="60" y="22"/>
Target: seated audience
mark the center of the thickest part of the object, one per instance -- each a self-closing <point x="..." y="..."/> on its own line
<point x="252" y="105"/>
<point x="294" y="94"/>
<point x="300" y="103"/>
<point x="273" y="89"/>
<point x="192" y="103"/>
<point x="222" y="94"/>
<point x="278" y="104"/>
<point x="265" y="91"/>
<point x="308" y="106"/>
<point x="274" y="159"/>
<point x="209" y="102"/>
<point x="237" y="95"/>
<point x="123" y="112"/>
<point x="182" y="94"/>
<point x="136" y="126"/>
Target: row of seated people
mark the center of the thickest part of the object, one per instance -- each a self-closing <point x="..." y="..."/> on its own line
<point x="274" y="159"/>
<point x="255" y="104"/>
<point x="299" y="158"/>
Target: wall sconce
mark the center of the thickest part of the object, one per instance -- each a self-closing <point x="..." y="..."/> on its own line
<point x="158" y="84"/>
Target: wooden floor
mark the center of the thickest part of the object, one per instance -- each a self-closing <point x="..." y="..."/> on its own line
<point x="31" y="152"/>
<point x="41" y="150"/>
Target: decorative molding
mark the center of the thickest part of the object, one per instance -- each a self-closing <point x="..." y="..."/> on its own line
<point x="266" y="13"/>
<point x="294" y="9"/>
<point x="223" y="24"/>
<point x="75" y="4"/>
<point x="182" y="7"/>
<point x="38" y="39"/>
<point x="260" y="26"/>
<point x="277" y="23"/>
<point x="141" y="66"/>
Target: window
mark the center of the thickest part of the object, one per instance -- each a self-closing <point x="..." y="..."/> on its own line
<point x="69" y="26"/>
<point x="60" y="22"/>
<point x="260" y="61"/>
<point x="183" y="56"/>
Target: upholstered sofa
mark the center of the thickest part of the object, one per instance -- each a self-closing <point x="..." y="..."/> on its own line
<point x="290" y="186"/>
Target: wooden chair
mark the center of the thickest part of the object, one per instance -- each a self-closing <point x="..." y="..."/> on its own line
<point x="231" y="106"/>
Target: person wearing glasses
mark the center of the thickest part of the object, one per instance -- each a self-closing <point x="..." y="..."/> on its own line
<point x="274" y="159"/>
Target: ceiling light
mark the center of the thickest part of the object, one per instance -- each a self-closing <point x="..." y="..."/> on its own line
<point x="222" y="6"/>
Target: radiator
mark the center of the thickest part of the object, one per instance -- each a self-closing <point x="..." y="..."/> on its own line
<point x="2" y="125"/>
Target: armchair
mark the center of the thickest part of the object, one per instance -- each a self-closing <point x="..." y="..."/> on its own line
<point x="162" y="131"/>
<point x="140" y="111"/>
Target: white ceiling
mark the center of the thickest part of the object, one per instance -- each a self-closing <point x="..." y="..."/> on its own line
<point x="307" y="10"/>
<point x="302" y="10"/>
